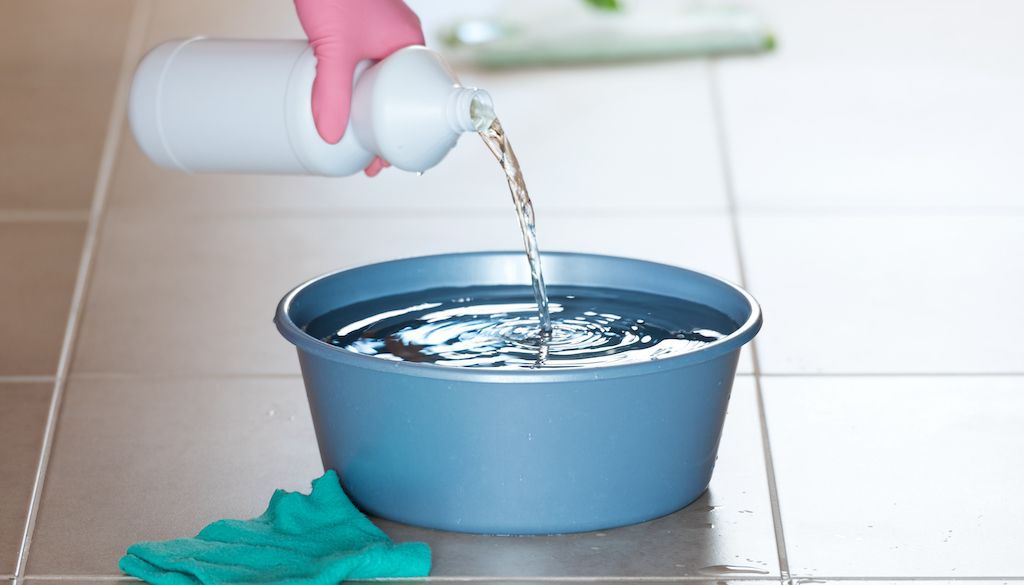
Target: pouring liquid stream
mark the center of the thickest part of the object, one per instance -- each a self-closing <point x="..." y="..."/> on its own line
<point x="497" y="326"/>
<point x="493" y="135"/>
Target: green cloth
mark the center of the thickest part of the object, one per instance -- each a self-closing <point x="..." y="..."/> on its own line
<point x="315" y="539"/>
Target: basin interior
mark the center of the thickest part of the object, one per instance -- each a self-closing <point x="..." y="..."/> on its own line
<point x="348" y="287"/>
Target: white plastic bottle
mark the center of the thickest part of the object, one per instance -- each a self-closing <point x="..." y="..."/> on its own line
<point x="205" y="105"/>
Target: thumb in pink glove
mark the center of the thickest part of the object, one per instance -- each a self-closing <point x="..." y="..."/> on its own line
<point x="343" y="33"/>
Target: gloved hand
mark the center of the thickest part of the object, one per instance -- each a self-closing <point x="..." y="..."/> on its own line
<point x="343" y="33"/>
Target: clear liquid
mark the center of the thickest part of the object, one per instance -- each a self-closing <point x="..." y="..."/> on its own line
<point x="498" y="327"/>
<point x="493" y="134"/>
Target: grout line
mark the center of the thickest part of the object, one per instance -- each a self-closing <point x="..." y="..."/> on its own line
<point x="184" y="376"/>
<point x="773" y="487"/>
<point x="651" y="579"/>
<point x="42" y="216"/>
<point x="891" y="374"/>
<point x="868" y="212"/>
<point x="487" y="212"/>
<point x="718" y="114"/>
<point x="435" y="212"/>
<point x="585" y="212"/>
<point x="296" y="375"/>
<point x="24" y="380"/>
<point x="80" y="578"/>
<point x="462" y="579"/>
<point x="111" y="143"/>
<point x="802" y="580"/>
<point x="459" y="579"/>
<point x="598" y="578"/>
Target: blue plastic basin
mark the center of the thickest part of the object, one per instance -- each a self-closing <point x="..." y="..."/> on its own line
<point x="520" y="451"/>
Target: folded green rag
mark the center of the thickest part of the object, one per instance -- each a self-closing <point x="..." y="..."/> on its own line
<point x="315" y="539"/>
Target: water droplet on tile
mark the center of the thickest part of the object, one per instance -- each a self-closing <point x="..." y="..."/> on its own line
<point x="271" y="412"/>
<point x="595" y="548"/>
<point x="731" y="570"/>
<point x="419" y="173"/>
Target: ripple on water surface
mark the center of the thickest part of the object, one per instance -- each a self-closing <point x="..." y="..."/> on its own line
<point x="498" y="327"/>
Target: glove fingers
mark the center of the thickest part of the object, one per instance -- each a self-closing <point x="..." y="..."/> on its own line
<point x="401" y="30"/>
<point x="332" y="94"/>
<point x="399" y="39"/>
<point x="376" y="166"/>
<point x="413" y="35"/>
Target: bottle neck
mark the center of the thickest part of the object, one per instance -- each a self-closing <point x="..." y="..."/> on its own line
<point x="469" y="109"/>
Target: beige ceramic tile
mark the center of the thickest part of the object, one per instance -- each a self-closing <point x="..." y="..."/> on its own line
<point x="197" y="293"/>
<point x="136" y="459"/>
<point x="59" y="62"/>
<point x="268" y="19"/>
<point x="265" y="19"/>
<point x="38" y="264"/>
<point x="245" y="19"/>
<point x="911" y="104"/>
<point x="154" y="459"/>
<point x="23" y="409"/>
<point x="887" y="295"/>
<point x="899" y="476"/>
<point x="625" y="137"/>
<point x="730" y="525"/>
<point x="902" y="33"/>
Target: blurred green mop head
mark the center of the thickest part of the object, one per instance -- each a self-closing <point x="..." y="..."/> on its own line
<point x="563" y="32"/>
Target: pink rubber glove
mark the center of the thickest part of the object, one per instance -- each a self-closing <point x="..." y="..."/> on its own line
<point x="343" y="33"/>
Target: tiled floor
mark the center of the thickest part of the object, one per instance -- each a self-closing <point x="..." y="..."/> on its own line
<point x="864" y="182"/>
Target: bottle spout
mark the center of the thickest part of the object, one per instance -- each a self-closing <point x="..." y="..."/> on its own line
<point x="470" y="109"/>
